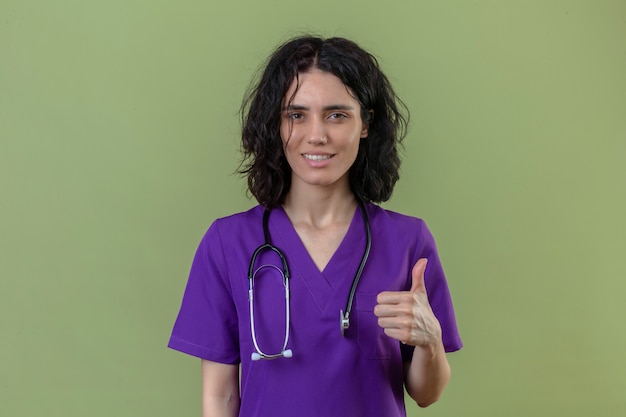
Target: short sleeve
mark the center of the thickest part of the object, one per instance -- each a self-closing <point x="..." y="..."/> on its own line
<point x="206" y="326"/>
<point x="438" y="292"/>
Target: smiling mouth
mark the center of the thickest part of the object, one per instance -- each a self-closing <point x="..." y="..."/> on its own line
<point x="316" y="157"/>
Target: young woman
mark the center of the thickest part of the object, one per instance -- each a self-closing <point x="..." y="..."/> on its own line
<point x="348" y="299"/>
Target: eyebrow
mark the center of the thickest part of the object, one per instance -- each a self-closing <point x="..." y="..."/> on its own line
<point x="292" y="107"/>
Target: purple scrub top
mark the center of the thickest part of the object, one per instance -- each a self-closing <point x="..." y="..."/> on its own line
<point x="358" y="374"/>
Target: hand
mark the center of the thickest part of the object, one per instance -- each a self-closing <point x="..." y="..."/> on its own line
<point x="406" y="315"/>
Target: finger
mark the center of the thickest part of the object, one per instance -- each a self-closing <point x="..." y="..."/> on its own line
<point x="393" y="297"/>
<point x="399" y="334"/>
<point x="392" y="310"/>
<point x="417" y="274"/>
<point x="389" y="324"/>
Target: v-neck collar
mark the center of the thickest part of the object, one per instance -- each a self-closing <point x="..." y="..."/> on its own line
<point x="340" y="270"/>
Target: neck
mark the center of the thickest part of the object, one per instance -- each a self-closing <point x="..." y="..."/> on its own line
<point x="319" y="208"/>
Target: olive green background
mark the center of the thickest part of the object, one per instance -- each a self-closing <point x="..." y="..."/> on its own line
<point x="119" y="139"/>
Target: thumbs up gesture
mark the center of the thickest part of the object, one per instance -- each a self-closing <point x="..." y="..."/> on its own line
<point x="406" y="315"/>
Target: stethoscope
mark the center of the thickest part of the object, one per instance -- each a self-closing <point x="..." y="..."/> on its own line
<point x="344" y="317"/>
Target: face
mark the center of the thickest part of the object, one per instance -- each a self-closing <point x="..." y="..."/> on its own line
<point x="321" y="129"/>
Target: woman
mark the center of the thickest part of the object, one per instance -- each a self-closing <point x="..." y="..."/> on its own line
<point x="368" y="311"/>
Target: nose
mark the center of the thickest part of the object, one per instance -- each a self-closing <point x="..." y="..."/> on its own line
<point x="317" y="133"/>
<point x="323" y="140"/>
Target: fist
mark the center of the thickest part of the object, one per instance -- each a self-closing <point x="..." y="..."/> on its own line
<point x="406" y="315"/>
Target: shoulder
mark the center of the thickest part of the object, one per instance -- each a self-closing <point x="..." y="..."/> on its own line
<point x="242" y="219"/>
<point x="400" y="229"/>
<point x="234" y="225"/>
<point x="393" y="220"/>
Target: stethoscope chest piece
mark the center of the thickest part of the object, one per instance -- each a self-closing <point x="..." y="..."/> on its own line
<point x="344" y="322"/>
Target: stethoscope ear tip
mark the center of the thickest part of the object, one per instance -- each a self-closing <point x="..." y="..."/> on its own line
<point x="255" y="356"/>
<point x="287" y="353"/>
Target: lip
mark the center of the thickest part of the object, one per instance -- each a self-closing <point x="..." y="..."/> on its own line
<point x="317" y="156"/>
<point x="317" y="159"/>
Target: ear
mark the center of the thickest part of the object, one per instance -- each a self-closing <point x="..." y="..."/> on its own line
<point x="366" y="124"/>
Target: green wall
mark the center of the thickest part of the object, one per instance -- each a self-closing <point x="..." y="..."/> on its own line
<point x="118" y="139"/>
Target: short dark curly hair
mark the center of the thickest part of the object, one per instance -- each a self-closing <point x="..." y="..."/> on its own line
<point x="376" y="168"/>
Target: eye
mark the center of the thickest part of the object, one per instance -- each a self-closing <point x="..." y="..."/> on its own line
<point x="337" y="116"/>
<point x="294" y="115"/>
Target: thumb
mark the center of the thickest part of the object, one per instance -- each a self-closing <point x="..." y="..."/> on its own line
<point x="417" y="282"/>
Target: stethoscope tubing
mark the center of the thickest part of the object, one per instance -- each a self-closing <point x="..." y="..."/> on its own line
<point x="259" y="354"/>
<point x="344" y="316"/>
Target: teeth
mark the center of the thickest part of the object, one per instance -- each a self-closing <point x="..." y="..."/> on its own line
<point x="316" y="157"/>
